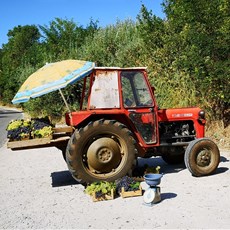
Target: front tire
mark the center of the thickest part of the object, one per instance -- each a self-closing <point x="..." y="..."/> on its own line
<point x="202" y="157"/>
<point x="102" y="150"/>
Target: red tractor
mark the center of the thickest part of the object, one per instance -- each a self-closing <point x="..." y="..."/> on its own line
<point x="119" y="120"/>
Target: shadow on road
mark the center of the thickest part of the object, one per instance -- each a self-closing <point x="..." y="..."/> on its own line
<point x="62" y="178"/>
<point x="223" y="159"/>
<point x="3" y="116"/>
<point x="221" y="170"/>
<point x="158" y="161"/>
<point x="9" y="112"/>
<point x="168" y="195"/>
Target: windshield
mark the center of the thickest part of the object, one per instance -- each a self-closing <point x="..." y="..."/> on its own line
<point x="135" y="90"/>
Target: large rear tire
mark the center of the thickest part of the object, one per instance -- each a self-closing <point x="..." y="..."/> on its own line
<point x="202" y="157"/>
<point x="102" y="150"/>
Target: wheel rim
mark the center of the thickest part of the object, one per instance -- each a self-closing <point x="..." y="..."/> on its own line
<point x="204" y="158"/>
<point x="116" y="151"/>
<point x="103" y="155"/>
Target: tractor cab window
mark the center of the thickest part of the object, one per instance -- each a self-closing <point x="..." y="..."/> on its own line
<point x="104" y="92"/>
<point x="85" y="93"/>
<point x="135" y="91"/>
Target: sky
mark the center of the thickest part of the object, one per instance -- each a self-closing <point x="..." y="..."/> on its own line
<point x="42" y="12"/>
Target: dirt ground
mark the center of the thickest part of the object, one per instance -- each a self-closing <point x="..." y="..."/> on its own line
<point x="37" y="192"/>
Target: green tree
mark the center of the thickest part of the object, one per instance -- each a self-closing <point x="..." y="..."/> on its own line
<point x="114" y="45"/>
<point x="192" y="43"/>
<point x="20" y="47"/>
<point x="63" y="38"/>
<point x="204" y="27"/>
<point x="19" y="52"/>
<point x="187" y="53"/>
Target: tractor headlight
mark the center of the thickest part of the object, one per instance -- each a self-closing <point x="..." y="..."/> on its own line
<point x="201" y="114"/>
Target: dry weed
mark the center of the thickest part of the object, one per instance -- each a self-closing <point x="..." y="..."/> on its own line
<point x="216" y="131"/>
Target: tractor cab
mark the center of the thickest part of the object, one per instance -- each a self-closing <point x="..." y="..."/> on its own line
<point x="111" y="88"/>
<point x="123" y="93"/>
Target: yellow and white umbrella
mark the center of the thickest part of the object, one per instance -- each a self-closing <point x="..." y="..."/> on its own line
<point x="51" y="77"/>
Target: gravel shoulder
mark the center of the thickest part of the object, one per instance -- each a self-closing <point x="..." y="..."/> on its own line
<point x="37" y="192"/>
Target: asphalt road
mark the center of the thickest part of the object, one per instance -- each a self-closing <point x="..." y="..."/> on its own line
<point x="6" y="115"/>
<point x="38" y="192"/>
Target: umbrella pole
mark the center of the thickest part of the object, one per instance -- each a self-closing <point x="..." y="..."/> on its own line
<point x="64" y="100"/>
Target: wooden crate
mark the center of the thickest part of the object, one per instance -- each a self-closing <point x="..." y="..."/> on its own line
<point x="105" y="197"/>
<point x="21" y="139"/>
<point x="125" y="194"/>
<point x="139" y="179"/>
<point x="47" y="137"/>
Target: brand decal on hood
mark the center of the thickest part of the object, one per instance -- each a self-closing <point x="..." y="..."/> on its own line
<point x="182" y="115"/>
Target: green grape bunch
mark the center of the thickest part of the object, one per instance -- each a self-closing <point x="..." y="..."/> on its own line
<point x="100" y="188"/>
<point x="14" y="124"/>
<point x="46" y="131"/>
<point x="18" y="130"/>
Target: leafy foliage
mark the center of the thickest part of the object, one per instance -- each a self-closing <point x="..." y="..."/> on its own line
<point x="187" y="55"/>
<point x="128" y="183"/>
<point x="186" y="65"/>
<point x="101" y="187"/>
<point x="115" y="45"/>
<point x="150" y="169"/>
